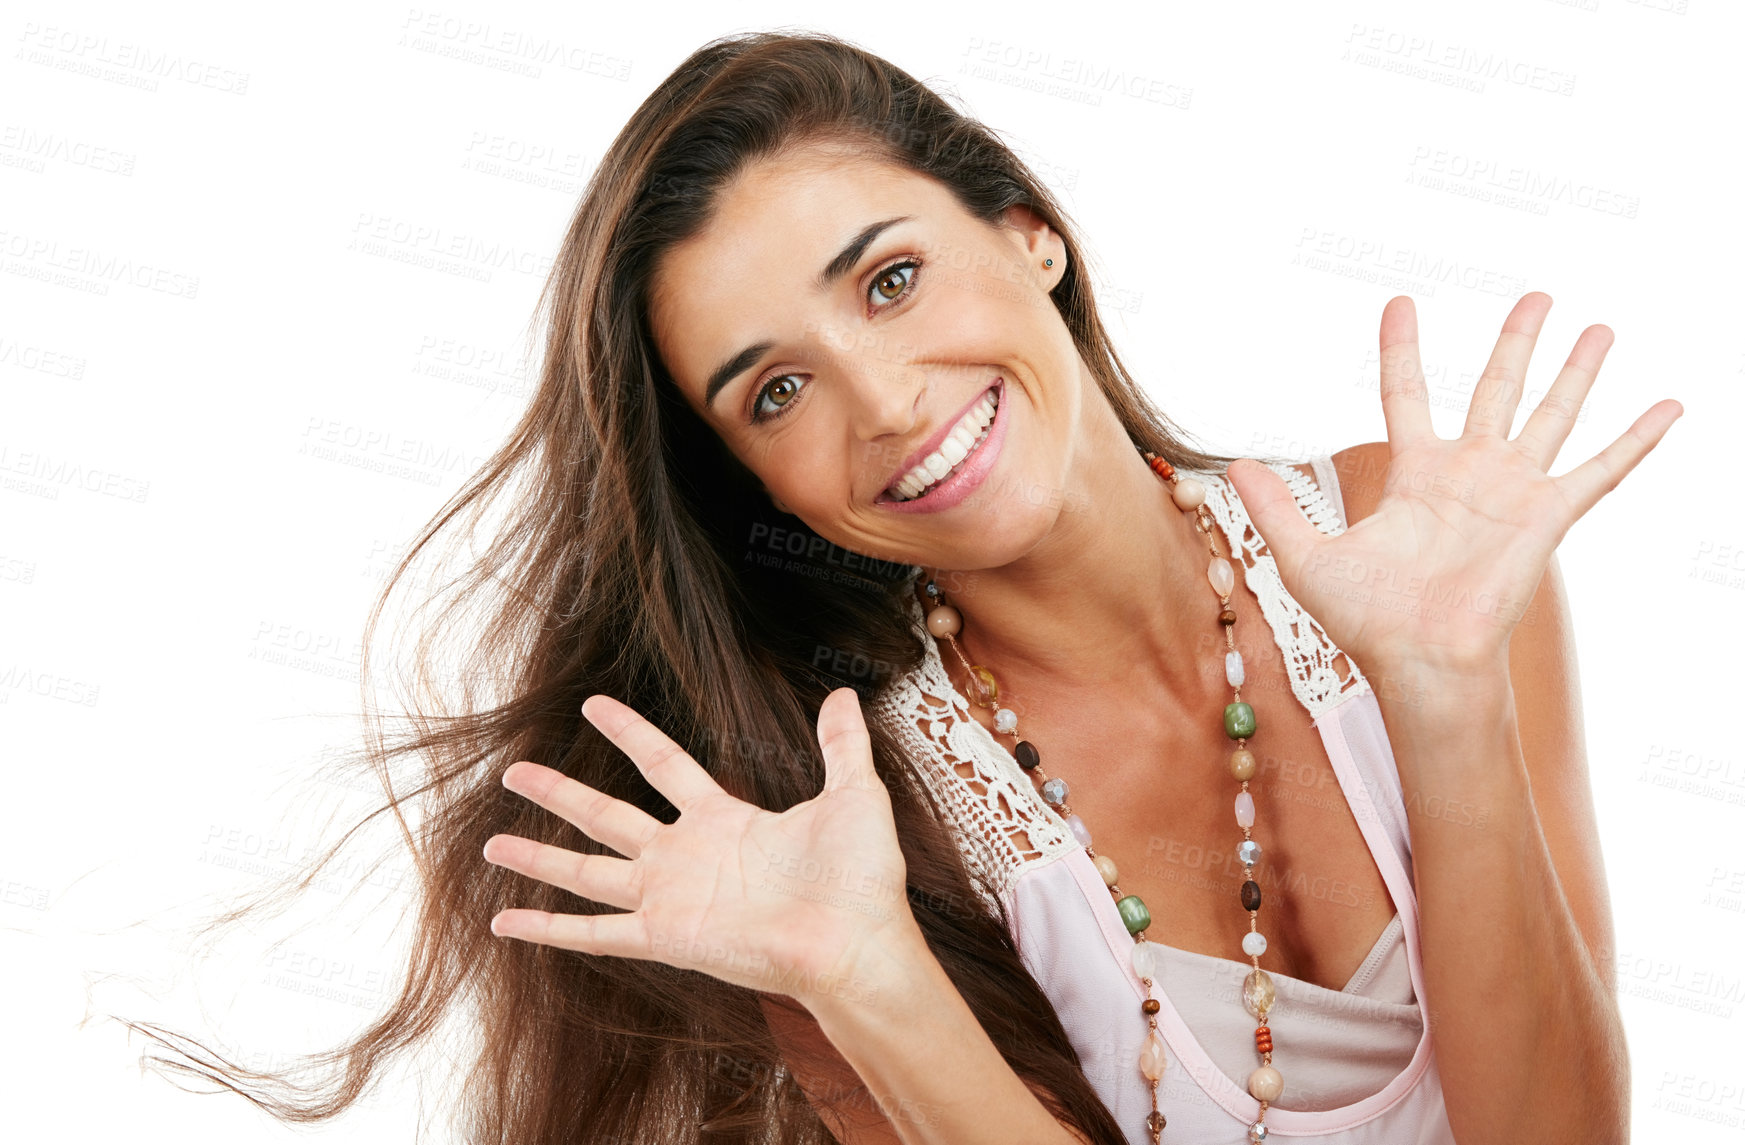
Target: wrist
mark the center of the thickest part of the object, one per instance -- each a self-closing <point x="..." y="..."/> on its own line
<point x="1430" y="686"/>
<point x="890" y="966"/>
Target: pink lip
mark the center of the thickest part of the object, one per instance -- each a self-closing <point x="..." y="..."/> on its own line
<point x="964" y="482"/>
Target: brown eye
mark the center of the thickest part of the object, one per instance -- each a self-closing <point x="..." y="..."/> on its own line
<point x="890" y="285"/>
<point x="779" y="393"/>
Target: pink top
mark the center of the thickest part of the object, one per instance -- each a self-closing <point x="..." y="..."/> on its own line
<point x="1358" y="1064"/>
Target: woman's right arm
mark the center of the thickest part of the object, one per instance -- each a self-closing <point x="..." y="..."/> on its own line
<point x="781" y="902"/>
<point x="905" y="1036"/>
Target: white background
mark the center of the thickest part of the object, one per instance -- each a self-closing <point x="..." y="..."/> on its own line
<point x="216" y="336"/>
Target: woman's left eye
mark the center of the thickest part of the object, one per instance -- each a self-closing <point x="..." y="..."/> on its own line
<point x="897" y="283"/>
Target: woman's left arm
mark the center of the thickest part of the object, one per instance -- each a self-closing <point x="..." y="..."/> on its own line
<point x="1444" y="594"/>
<point x="1534" y="838"/>
<point x="1529" y="1041"/>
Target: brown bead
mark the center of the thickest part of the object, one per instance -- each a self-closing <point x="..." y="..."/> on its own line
<point x="1242" y="764"/>
<point x="1151" y="1005"/>
<point x="1027" y="755"/>
<point x="1154" y="1122"/>
<point x="1227" y="617"/>
<point x="1250" y="895"/>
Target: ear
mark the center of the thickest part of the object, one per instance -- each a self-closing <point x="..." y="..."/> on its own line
<point x="1036" y="241"/>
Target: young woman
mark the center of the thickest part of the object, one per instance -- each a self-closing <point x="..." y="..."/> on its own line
<point x="1156" y="741"/>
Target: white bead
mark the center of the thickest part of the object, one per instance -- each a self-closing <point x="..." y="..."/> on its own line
<point x="1006" y="720"/>
<point x="1233" y="673"/>
<point x="1254" y="943"/>
<point x="1244" y="809"/>
<point x="1148" y="960"/>
<point x="1265" y="1084"/>
<point x="1188" y="493"/>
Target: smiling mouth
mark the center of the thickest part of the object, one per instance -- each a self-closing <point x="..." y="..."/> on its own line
<point x="961" y="444"/>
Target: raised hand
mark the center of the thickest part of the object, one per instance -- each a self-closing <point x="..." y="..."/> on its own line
<point x="787" y="903"/>
<point x="1441" y="572"/>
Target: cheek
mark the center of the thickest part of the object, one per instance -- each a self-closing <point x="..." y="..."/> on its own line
<point x="810" y="467"/>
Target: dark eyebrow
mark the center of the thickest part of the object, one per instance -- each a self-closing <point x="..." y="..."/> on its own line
<point x="835" y="269"/>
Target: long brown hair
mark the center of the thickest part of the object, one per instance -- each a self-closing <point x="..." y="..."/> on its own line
<point x="620" y="564"/>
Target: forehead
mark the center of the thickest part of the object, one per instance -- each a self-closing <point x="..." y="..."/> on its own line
<point x="747" y="275"/>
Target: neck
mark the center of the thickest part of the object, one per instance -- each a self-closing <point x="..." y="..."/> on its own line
<point x="1115" y="597"/>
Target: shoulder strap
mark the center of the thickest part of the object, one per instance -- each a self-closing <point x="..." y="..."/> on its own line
<point x="1321" y="675"/>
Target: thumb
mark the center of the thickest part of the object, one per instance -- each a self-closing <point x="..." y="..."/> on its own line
<point x="842" y="734"/>
<point x="1271" y="505"/>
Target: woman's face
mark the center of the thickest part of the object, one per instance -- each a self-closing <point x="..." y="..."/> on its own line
<point x="832" y="348"/>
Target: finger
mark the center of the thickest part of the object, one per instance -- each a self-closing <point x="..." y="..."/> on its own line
<point x="1498" y="392"/>
<point x="1584" y="485"/>
<point x="664" y="763"/>
<point x="1405" y="403"/>
<point x="842" y="735"/>
<point x="1273" y="508"/>
<point x="622" y="935"/>
<point x="601" y="878"/>
<point x="1550" y="422"/>
<point x="624" y="828"/>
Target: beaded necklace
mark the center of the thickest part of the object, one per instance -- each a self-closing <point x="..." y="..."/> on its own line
<point x="945" y="622"/>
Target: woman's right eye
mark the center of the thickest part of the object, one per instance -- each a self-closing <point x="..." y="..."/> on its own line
<point x="783" y="390"/>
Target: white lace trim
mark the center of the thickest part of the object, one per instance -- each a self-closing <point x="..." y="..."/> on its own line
<point x="1321" y="675"/>
<point x="979" y="783"/>
<point x="974" y="777"/>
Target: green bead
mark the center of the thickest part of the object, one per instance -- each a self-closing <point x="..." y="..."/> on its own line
<point x="1133" y="913"/>
<point x="1238" y="720"/>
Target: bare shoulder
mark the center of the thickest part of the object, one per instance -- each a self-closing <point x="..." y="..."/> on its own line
<point x="1361" y="470"/>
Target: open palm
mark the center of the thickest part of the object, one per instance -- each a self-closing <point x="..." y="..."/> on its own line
<point x="1442" y="570"/>
<point x="783" y="902"/>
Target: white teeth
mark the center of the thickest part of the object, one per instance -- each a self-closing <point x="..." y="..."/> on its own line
<point x="958" y="444"/>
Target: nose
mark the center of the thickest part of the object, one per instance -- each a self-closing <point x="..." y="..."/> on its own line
<point x="885" y="397"/>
